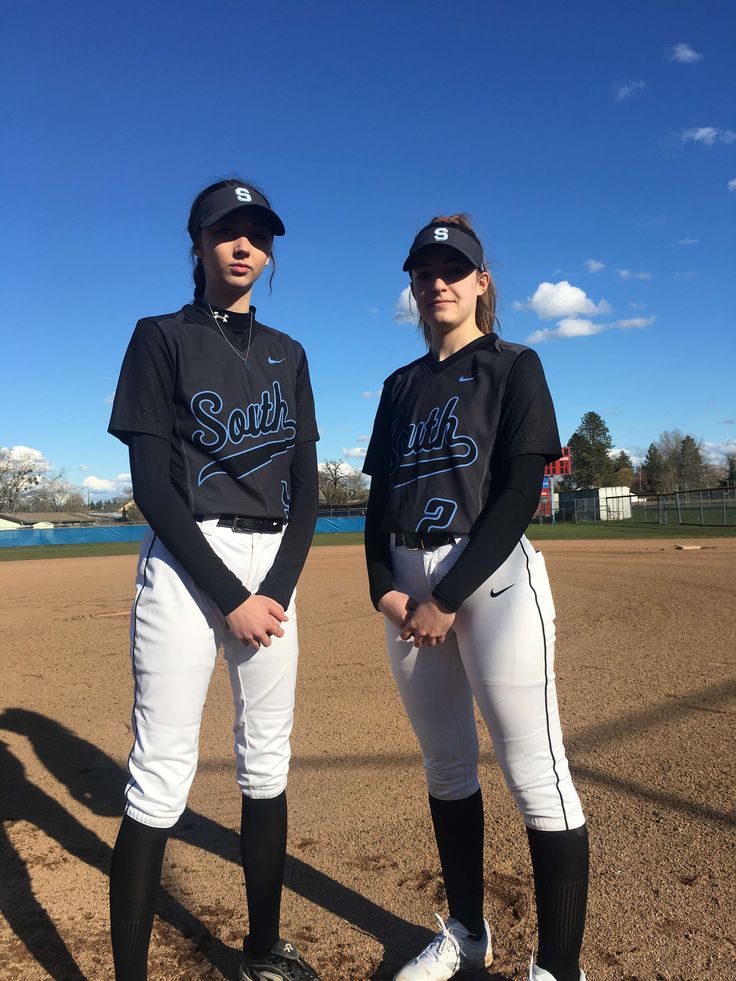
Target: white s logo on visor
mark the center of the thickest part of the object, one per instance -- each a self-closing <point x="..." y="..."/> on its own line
<point x="440" y="234"/>
<point x="243" y="194"/>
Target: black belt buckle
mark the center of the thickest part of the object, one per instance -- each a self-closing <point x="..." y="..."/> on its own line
<point x="242" y="523"/>
<point x="414" y="541"/>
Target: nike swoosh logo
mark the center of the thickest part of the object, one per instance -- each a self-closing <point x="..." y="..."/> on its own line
<point x="467" y="378"/>
<point x="494" y="595"/>
<point x="275" y="360"/>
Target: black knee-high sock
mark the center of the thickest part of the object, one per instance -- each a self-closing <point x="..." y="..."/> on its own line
<point x="560" y="863"/>
<point x="135" y="874"/>
<point x="458" y="828"/>
<point x="263" y="852"/>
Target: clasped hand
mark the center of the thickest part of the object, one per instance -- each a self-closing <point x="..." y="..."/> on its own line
<point x="426" y="623"/>
<point x="257" y="620"/>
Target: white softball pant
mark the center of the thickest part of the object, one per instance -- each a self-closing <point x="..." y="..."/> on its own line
<point x="500" y="651"/>
<point x="175" y="634"/>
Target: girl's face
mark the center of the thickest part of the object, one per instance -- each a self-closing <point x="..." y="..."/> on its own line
<point x="446" y="287"/>
<point x="234" y="252"/>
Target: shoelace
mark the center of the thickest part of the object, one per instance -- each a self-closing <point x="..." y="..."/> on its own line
<point x="443" y="938"/>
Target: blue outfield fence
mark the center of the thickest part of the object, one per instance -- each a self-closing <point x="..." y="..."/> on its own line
<point x="27" y="537"/>
<point x="326" y="526"/>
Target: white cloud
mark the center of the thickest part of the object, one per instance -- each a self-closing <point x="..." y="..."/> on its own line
<point x="636" y="453"/>
<point x="628" y="274"/>
<point x="344" y="468"/>
<point x="708" y="135"/>
<point x="109" y="399"/>
<point x="20" y="452"/>
<point x="686" y="55"/>
<point x="83" y="467"/>
<point x="123" y="478"/>
<point x="716" y="453"/>
<point x="686" y="241"/>
<point x="578" y="327"/>
<point x="356" y="451"/>
<point x="405" y="311"/>
<point x="637" y="306"/>
<point x="626" y="90"/>
<point x="552" y="300"/>
<point x="98" y="484"/>
<point x="362" y="439"/>
<point x="370" y="395"/>
<point x="374" y="310"/>
<point x="594" y="265"/>
<point x="732" y="185"/>
<point x="633" y="323"/>
<point x="567" y="327"/>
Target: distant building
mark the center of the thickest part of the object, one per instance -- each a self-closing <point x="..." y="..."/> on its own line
<point x="596" y="504"/>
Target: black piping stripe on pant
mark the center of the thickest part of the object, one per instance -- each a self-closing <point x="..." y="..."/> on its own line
<point x="546" y="687"/>
<point x="134" y="617"/>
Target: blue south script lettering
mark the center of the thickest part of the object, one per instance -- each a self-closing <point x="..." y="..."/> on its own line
<point x="222" y="432"/>
<point x="431" y="446"/>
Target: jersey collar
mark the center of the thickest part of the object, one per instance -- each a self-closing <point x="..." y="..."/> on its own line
<point x="486" y="342"/>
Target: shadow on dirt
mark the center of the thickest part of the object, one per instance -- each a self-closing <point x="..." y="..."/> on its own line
<point x="96" y="781"/>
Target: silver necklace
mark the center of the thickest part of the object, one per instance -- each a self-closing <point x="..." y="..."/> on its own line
<point x="217" y="317"/>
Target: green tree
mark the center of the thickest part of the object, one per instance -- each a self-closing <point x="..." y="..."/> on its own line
<point x="623" y="468"/>
<point x="590" y="446"/>
<point x="682" y="461"/>
<point x="651" y="474"/>
<point x="689" y="464"/>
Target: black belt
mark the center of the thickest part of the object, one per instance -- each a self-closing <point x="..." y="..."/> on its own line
<point x="239" y="522"/>
<point x="410" y="539"/>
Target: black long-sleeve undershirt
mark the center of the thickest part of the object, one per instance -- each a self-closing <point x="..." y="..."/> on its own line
<point x="171" y="520"/>
<point x="511" y="503"/>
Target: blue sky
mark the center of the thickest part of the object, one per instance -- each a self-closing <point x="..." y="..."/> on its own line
<point x="593" y="144"/>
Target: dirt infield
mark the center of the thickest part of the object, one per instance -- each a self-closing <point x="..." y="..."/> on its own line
<point x="645" y="662"/>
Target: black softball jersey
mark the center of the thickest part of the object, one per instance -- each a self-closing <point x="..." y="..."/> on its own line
<point x="440" y="423"/>
<point x="185" y="406"/>
<point x="459" y="446"/>
<point x="232" y="427"/>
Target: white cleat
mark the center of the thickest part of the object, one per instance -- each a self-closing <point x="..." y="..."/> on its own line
<point x="539" y="973"/>
<point x="449" y="952"/>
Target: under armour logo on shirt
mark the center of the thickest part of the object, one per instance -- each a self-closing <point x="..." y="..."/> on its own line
<point x="220" y="316"/>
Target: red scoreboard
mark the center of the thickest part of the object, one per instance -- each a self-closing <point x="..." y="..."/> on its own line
<point x="561" y="467"/>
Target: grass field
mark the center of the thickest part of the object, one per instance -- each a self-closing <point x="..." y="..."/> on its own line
<point x="586" y="531"/>
<point x="619" y="530"/>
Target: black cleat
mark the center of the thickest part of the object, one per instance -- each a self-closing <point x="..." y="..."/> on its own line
<point x="282" y="963"/>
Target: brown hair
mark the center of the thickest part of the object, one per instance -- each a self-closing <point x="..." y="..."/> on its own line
<point x="198" y="272"/>
<point x="485" y="307"/>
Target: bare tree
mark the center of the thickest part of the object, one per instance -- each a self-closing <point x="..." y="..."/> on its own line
<point x="356" y="487"/>
<point x="21" y="469"/>
<point x="53" y="494"/>
<point x="332" y="480"/>
<point x="682" y="460"/>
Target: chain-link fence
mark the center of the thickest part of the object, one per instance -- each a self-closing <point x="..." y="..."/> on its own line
<point x="711" y="506"/>
<point x="342" y="511"/>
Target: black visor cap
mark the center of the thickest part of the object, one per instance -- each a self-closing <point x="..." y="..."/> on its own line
<point x="450" y="235"/>
<point x="231" y="198"/>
